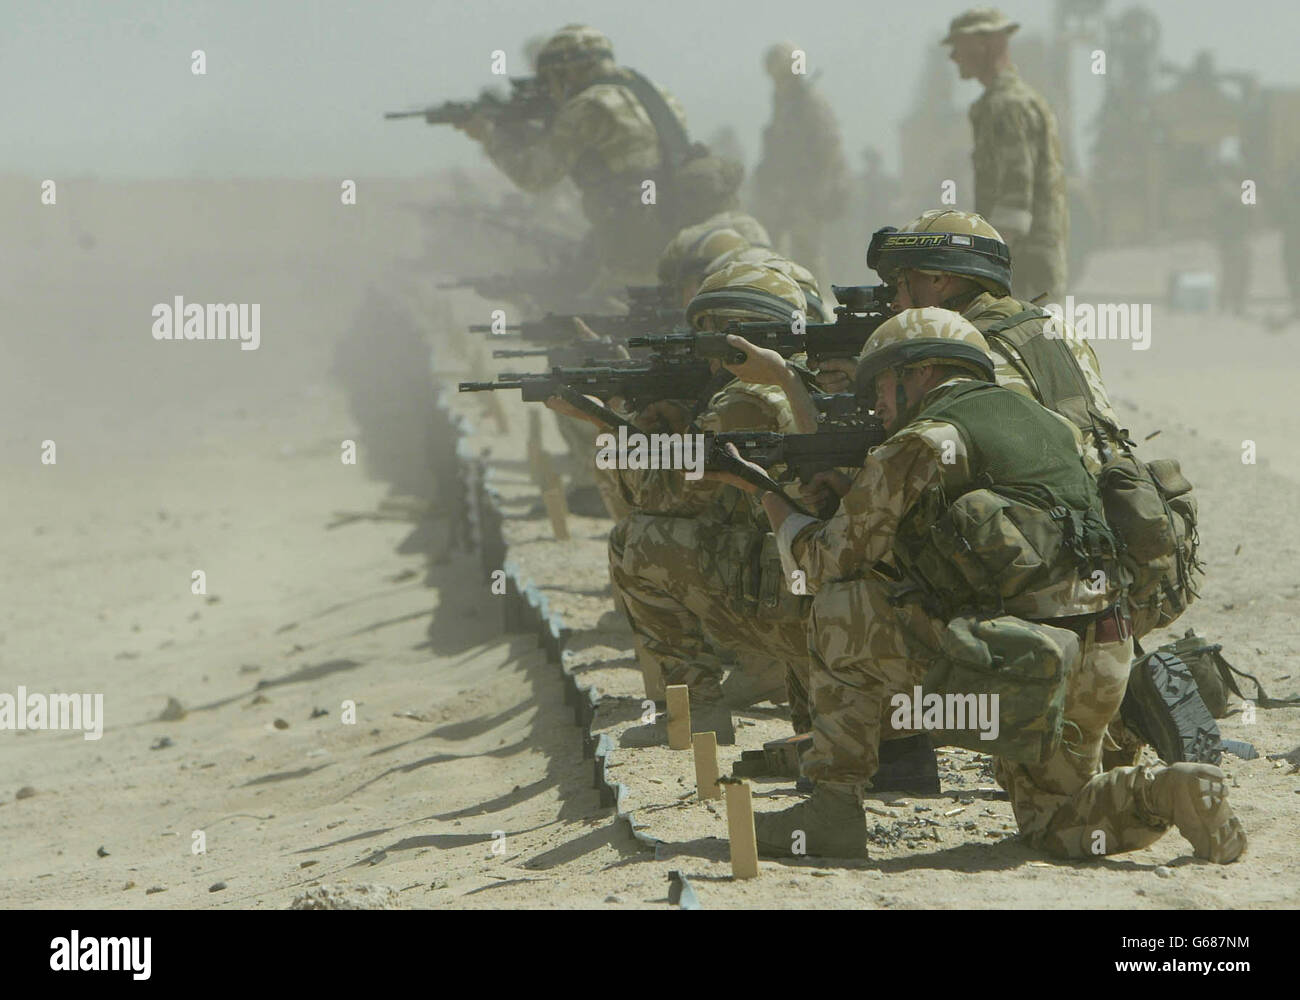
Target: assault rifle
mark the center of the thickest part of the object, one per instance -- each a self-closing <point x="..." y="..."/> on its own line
<point x="529" y="101"/>
<point x="841" y="410"/>
<point x="639" y="382"/>
<point x="720" y="461"/>
<point x="576" y="353"/>
<point x="508" y="287"/>
<point x="555" y="328"/>
<point x="804" y="455"/>
<point x="862" y="310"/>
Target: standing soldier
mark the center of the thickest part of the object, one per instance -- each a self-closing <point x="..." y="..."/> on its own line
<point x="801" y="180"/>
<point x="1019" y="176"/>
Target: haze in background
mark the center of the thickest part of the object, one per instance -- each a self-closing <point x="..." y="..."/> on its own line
<point x="297" y="90"/>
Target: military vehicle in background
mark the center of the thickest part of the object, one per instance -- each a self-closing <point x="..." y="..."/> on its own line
<point x="1162" y="151"/>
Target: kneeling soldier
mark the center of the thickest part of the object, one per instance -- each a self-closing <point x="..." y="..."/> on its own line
<point x="956" y="541"/>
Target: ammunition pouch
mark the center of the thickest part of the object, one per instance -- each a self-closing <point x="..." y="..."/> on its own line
<point x="765" y="590"/>
<point x="1153" y="513"/>
<point x="984" y="548"/>
<point x="1024" y="664"/>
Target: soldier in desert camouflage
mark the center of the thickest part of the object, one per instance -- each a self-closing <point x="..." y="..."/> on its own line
<point x="613" y="131"/>
<point x="678" y="560"/>
<point x="885" y="603"/>
<point x="1019" y="175"/>
<point x="801" y="183"/>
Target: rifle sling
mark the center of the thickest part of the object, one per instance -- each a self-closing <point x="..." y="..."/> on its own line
<point x="674" y="143"/>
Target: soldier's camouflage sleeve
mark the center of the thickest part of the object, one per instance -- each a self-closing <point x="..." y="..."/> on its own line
<point x="1005" y="147"/>
<point x="604" y="118"/>
<point x="738" y="406"/>
<point x="890" y="482"/>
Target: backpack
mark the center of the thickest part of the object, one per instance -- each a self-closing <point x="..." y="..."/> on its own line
<point x="1149" y="505"/>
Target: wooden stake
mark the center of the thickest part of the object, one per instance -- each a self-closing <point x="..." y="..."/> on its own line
<point x="679" y="717"/>
<point x="498" y="412"/>
<point x="740" y="830"/>
<point x="706" y="765"/>
<point x="535" y="452"/>
<point x="557" y="509"/>
<point x="651" y="673"/>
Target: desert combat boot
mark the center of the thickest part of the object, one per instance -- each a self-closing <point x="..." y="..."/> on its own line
<point x="832" y="823"/>
<point x="1195" y="798"/>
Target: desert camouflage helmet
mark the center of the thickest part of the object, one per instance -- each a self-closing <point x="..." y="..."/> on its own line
<point x="914" y="336"/>
<point x="979" y="21"/>
<point x="574" y="45"/>
<point x="944" y="241"/>
<point x="692" y="250"/>
<point x="744" y="292"/>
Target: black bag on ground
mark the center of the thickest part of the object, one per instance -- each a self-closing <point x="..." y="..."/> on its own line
<point x="1214" y="675"/>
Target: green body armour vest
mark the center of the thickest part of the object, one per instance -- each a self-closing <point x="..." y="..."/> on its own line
<point x="1030" y="516"/>
<point x="1055" y="370"/>
<point x="1149" y="505"/>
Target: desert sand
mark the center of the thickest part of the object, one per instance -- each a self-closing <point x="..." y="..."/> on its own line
<point x="460" y="780"/>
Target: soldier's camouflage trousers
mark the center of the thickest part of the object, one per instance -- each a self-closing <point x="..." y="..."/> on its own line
<point x="580" y="436"/>
<point x="681" y="581"/>
<point x="866" y="649"/>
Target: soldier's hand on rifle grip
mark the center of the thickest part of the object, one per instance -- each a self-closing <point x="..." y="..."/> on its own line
<point x="836" y="375"/>
<point x="762" y="367"/>
<point x="732" y="479"/>
<point x="824" y="487"/>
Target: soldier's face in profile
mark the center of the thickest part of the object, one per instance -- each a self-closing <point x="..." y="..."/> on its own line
<point x="886" y="389"/>
<point x="968" y="53"/>
<point x="915" y="290"/>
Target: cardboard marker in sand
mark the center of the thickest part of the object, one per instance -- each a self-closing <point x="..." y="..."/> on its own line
<point x="706" y="765"/>
<point x="740" y="830"/>
<point x="679" y="717"/>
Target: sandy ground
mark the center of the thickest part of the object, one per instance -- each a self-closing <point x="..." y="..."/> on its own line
<point x="461" y="782"/>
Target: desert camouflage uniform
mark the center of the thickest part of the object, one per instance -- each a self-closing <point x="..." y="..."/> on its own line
<point x="871" y="639"/>
<point x="684" y="562"/>
<point x="1020" y="182"/>
<point x="604" y="140"/>
<point x="1012" y="372"/>
<point x="679" y="560"/>
<point x="802" y="179"/>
